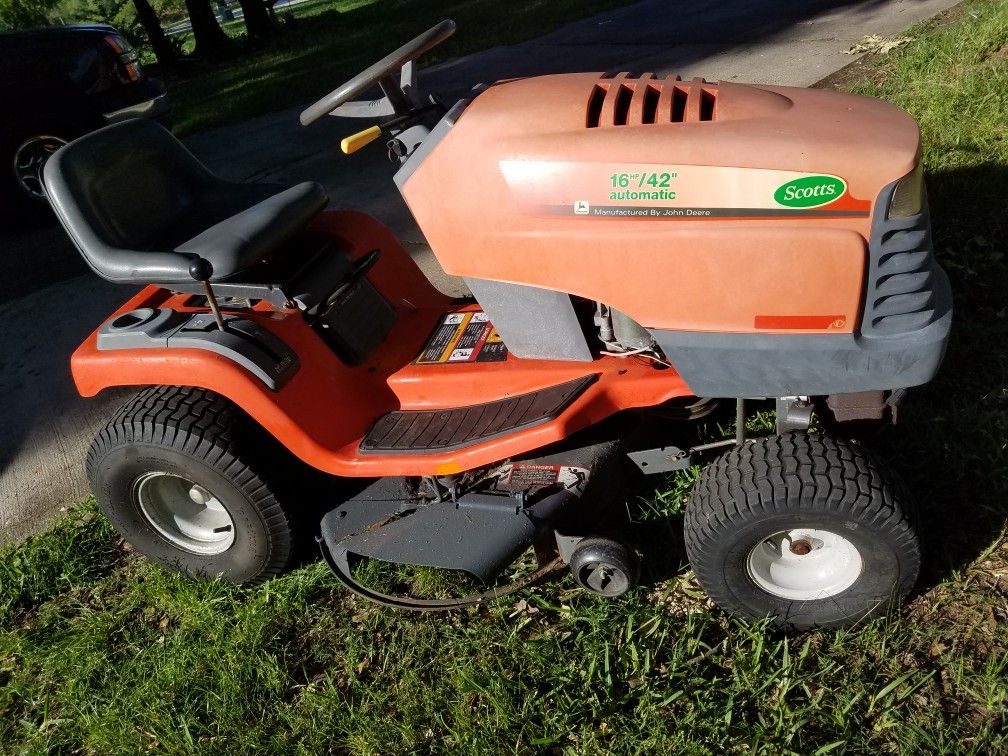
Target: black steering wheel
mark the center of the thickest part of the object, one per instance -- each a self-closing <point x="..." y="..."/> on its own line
<point x="386" y="73"/>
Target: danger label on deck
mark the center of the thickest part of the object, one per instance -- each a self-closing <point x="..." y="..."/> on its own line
<point x="463" y="337"/>
<point x="528" y="476"/>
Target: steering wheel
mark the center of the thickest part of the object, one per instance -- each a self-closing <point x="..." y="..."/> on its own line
<point x="385" y="73"/>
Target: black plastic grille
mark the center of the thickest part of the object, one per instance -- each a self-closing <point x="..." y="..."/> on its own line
<point x="901" y="286"/>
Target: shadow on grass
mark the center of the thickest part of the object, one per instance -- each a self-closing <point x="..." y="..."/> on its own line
<point x="950" y="446"/>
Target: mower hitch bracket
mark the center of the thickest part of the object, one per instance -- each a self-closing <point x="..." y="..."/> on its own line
<point x="510" y="503"/>
<point x="794" y="413"/>
<point x="661" y="459"/>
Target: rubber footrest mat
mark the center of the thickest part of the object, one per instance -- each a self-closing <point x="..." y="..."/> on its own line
<point x="427" y="431"/>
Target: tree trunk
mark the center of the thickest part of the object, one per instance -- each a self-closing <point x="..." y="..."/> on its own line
<point x="211" y="41"/>
<point x="163" y="49"/>
<point x="257" y="19"/>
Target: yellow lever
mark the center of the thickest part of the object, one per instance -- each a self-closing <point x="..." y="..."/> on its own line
<point x="354" y="142"/>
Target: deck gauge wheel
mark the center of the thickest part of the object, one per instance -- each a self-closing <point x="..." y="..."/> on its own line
<point x="604" y="566"/>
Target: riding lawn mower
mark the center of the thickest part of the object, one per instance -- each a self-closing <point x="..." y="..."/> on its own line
<point x="636" y="247"/>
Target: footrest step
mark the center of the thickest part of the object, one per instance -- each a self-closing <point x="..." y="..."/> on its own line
<point x="430" y="431"/>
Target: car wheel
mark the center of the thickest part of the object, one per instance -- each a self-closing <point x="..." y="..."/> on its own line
<point x="28" y="160"/>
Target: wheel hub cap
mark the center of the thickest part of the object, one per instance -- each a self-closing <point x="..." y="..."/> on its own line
<point x="185" y="513"/>
<point x="605" y="579"/>
<point x="804" y="564"/>
<point x="29" y="160"/>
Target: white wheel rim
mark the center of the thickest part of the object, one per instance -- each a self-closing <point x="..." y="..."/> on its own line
<point x="186" y="514"/>
<point x="804" y="564"/>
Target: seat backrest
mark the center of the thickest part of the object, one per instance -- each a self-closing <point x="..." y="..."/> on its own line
<point x="123" y="187"/>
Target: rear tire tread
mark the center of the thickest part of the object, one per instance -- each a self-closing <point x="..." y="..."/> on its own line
<point x="207" y="427"/>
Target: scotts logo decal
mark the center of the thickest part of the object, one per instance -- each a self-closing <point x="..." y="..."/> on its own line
<point x="669" y="192"/>
<point x="810" y="191"/>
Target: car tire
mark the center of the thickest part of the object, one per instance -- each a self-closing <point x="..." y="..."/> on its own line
<point x="197" y="486"/>
<point x="803" y="529"/>
<point x="13" y="146"/>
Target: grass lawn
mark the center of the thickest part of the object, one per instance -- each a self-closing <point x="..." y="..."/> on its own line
<point x="328" y="41"/>
<point x="101" y="653"/>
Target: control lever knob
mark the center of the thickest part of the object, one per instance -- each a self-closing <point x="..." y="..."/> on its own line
<point x="200" y="269"/>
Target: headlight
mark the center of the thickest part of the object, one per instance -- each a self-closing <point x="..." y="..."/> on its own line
<point x="908" y="198"/>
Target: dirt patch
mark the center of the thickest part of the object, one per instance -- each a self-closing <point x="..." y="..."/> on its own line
<point x="871" y="67"/>
<point x="998" y="55"/>
<point x="866" y="68"/>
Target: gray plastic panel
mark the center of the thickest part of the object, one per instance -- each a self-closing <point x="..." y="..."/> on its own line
<point x="439" y="132"/>
<point x="904" y="330"/>
<point x="245" y="342"/>
<point x="533" y="323"/>
<point x="750" y="365"/>
<point x="903" y="276"/>
<point x="145" y="328"/>
<point x="430" y="431"/>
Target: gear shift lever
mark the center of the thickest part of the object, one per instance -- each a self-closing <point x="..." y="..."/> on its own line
<point x="201" y="270"/>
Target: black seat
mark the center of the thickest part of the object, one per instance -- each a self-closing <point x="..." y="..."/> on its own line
<point x="140" y="208"/>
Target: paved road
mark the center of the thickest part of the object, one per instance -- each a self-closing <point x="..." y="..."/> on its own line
<point x="48" y="301"/>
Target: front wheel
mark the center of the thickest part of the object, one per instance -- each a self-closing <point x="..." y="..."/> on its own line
<point x="806" y="530"/>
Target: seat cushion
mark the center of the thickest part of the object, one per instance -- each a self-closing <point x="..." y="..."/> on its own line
<point x="246" y="238"/>
<point x="140" y="207"/>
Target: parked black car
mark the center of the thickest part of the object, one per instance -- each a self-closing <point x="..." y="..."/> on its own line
<point x="59" y="83"/>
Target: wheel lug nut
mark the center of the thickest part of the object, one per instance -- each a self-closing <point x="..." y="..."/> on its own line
<point x="801" y="547"/>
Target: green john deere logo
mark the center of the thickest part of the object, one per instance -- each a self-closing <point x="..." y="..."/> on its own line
<point x="810" y="191"/>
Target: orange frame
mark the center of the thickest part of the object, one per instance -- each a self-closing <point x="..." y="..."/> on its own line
<point x="325" y="410"/>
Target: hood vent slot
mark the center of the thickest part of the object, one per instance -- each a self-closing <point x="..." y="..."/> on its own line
<point x="679" y="96"/>
<point x="707" y="101"/>
<point x="651" y="96"/>
<point x="626" y="100"/>
<point x="622" y="108"/>
<point x="595" y="106"/>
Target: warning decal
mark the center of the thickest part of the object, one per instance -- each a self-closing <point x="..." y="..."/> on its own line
<point x="529" y="476"/>
<point x="533" y="476"/>
<point x="463" y="337"/>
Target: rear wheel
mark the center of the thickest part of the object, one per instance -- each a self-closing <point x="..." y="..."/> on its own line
<point x="195" y="485"/>
<point x="803" y="529"/>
